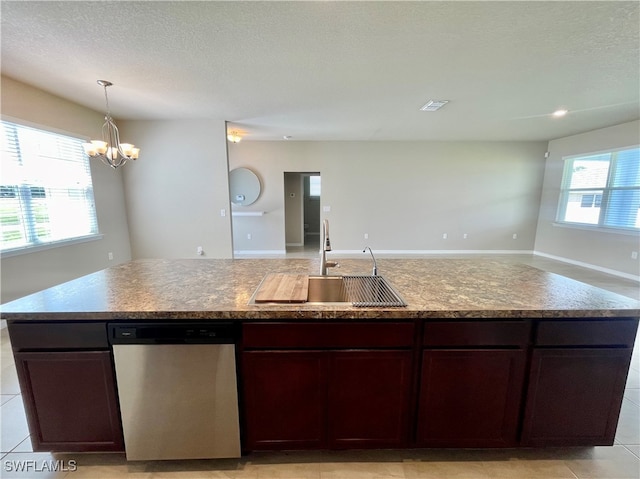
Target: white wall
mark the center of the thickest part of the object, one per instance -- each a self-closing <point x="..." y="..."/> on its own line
<point x="27" y="273"/>
<point x="405" y="195"/>
<point x="600" y="249"/>
<point x="175" y="191"/>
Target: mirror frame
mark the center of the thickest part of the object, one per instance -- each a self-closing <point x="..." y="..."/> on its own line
<point x="244" y="187"/>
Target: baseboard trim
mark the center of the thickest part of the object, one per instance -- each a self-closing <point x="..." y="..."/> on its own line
<point x="266" y="252"/>
<point x="589" y="266"/>
<point x="430" y="252"/>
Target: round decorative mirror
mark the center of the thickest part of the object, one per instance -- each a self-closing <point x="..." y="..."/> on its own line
<point x="244" y="186"/>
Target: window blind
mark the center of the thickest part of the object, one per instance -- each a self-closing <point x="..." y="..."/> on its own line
<point x="602" y="190"/>
<point x="624" y="195"/>
<point x="46" y="192"/>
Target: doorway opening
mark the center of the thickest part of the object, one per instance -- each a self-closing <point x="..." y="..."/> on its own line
<point x="302" y="212"/>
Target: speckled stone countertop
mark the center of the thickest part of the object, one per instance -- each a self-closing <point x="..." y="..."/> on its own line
<point x="221" y="289"/>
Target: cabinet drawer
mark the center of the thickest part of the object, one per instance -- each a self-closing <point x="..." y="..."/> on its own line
<point x="476" y="333"/>
<point x="327" y="335"/>
<point x="74" y="335"/>
<point x="603" y="332"/>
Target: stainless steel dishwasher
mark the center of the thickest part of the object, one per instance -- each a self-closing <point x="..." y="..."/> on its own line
<point x="177" y="389"/>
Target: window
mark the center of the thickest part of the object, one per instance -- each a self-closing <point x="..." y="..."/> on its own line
<point x="602" y="190"/>
<point x="46" y="194"/>
<point x="314" y="185"/>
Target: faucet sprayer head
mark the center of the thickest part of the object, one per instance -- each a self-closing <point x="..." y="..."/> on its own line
<point x="325" y="231"/>
<point x="325" y="246"/>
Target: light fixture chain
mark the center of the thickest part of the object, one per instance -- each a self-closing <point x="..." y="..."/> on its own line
<point x="106" y="99"/>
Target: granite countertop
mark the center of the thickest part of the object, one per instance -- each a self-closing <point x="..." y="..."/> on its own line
<point x="221" y="289"/>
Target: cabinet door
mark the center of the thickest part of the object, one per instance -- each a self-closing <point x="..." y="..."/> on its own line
<point x="368" y="398"/>
<point x="285" y="399"/>
<point x="70" y="398"/>
<point x="574" y="396"/>
<point x="470" y="398"/>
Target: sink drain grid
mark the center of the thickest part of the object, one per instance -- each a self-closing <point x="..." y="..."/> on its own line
<point x="371" y="291"/>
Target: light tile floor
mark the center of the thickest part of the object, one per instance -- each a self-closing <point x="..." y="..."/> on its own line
<point x="621" y="461"/>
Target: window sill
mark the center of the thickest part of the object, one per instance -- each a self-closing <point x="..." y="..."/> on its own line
<point x="56" y="244"/>
<point x="596" y="229"/>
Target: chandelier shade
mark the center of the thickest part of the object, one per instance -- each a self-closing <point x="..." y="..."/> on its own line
<point x="109" y="150"/>
<point x="234" y="137"/>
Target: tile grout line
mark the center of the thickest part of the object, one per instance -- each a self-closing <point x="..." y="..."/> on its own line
<point x="636" y="455"/>
<point x="13" y="451"/>
<point x="5" y="453"/>
<point x="631" y="400"/>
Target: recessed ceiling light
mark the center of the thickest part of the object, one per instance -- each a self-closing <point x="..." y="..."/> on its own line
<point x="433" y="105"/>
<point x="559" y="113"/>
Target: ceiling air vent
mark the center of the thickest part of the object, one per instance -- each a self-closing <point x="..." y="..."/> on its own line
<point x="433" y="105"/>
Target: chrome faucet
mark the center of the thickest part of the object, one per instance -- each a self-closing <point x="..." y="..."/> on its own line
<point x="375" y="266"/>
<point x="324" y="247"/>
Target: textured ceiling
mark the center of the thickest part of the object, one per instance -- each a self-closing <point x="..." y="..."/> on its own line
<point x="339" y="70"/>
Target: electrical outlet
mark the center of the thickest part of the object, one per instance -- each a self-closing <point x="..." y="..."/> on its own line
<point x="465" y="236"/>
<point x="515" y="235"/>
<point x="444" y="235"/>
<point x="223" y="212"/>
<point x="366" y="236"/>
<point x="199" y="251"/>
<point x="634" y="255"/>
<point x="248" y="235"/>
<point x="110" y="256"/>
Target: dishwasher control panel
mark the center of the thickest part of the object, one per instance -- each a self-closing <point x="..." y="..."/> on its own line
<point x="173" y="333"/>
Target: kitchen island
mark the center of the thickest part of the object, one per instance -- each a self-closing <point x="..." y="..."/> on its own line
<point x="485" y="354"/>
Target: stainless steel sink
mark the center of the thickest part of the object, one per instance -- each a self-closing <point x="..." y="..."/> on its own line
<point x="360" y="291"/>
<point x="327" y="289"/>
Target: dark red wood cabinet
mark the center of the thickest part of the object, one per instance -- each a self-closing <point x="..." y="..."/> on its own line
<point x="68" y="386"/>
<point x="470" y="398"/>
<point x="70" y="400"/>
<point x="576" y="382"/>
<point x="368" y="398"/>
<point x="339" y="384"/>
<point x="342" y="392"/>
<point x="285" y="396"/>
<point x="471" y="383"/>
